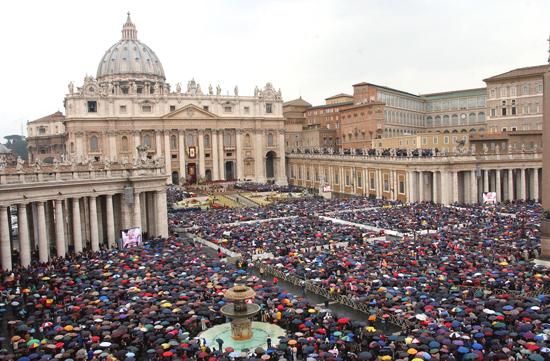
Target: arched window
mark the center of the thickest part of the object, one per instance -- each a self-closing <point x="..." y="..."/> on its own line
<point x="344" y="138"/>
<point x="124" y="143"/>
<point x="472" y="117"/>
<point x="481" y="117"/>
<point x="270" y="139"/>
<point x="472" y="130"/>
<point x="445" y="120"/>
<point x="454" y="119"/>
<point x="147" y="140"/>
<point x="481" y="130"/>
<point x="207" y="141"/>
<point x="429" y="121"/>
<point x="93" y="144"/>
<point x="247" y="140"/>
<point x="173" y="142"/>
<point x="227" y="139"/>
<point x="190" y="140"/>
<point x="437" y="120"/>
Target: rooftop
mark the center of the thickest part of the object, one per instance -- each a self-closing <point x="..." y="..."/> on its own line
<point x="521" y="73"/>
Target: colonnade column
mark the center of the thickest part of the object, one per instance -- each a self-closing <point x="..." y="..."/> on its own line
<point x="523" y="193"/>
<point x="408" y="183"/>
<point x="110" y="220"/>
<point x="535" y="191"/>
<point x="239" y="145"/>
<point x="162" y="218"/>
<point x="77" y="226"/>
<point x="486" y="180"/>
<point x="43" y="251"/>
<point x="455" y="186"/>
<point x="167" y="155"/>
<point x="5" y="245"/>
<point x="445" y="191"/>
<point x="24" y="246"/>
<point x="214" y="145"/>
<point x="421" y="186"/>
<point x="181" y="152"/>
<point x="92" y="201"/>
<point x="511" y="184"/>
<point x="473" y="181"/>
<point x="59" y="229"/>
<point x="498" y="185"/>
<point x="221" y="154"/>
<point x="436" y="188"/>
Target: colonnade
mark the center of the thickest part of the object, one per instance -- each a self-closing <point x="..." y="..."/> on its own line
<point x="445" y="179"/>
<point x="73" y="223"/>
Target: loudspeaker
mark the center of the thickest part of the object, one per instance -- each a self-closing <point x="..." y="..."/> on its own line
<point x="129" y="195"/>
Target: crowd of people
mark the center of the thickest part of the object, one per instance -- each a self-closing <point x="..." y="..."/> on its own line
<point x="468" y="289"/>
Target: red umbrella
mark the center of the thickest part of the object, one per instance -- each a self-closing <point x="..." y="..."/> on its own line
<point x="322" y="331"/>
<point x="343" y="320"/>
<point x="229" y="349"/>
<point x="167" y="354"/>
<point x="95" y="338"/>
<point x="203" y="354"/>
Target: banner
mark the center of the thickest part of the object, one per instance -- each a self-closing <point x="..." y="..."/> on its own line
<point x="489" y="197"/>
<point x="192" y="152"/>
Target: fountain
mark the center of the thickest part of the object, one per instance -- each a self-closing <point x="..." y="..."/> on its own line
<point x="241" y="327"/>
<point x="240" y="311"/>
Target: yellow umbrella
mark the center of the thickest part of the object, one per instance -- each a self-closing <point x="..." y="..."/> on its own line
<point x="370" y="329"/>
<point x="292" y="342"/>
<point x="68" y="328"/>
<point x="412" y="351"/>
<point x="386" y="357"/>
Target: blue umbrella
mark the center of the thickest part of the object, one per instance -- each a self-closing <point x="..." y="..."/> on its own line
<point x="463" y="349"/>
<point x="434" y="344"/>
<point x="477" y="346"/>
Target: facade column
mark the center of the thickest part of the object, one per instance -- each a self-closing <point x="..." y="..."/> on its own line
<point x="24" y="246"/>
<point x="221" y="140"/>
<point x="511" y="184"/>
<point x="112" y="137"/>
<point x="239" y="145"/>
<point x="214" y="145"/>
<point x="498" y="185"/>
<point x="281" y="177"/>
<point x="535" y="190"/>
<point x="43" y="249"/>
<point x="408" y="183"/>
<point x="181" y="153"/>
<point x="202" y="161"/>
<point x="473" y="181"/>
<point x="59" y="229"/>
<point x="158" y="148"/>
<point x="259" y="158"/>
<point x="110" y="220"/>
<point x="77" y="226"/>
<point x="94" y="234"/>
<point x="79" y="147"/>
<point x="162" y="215"/>
<point x="137" y="211"/>
<point x="5" y="244"/>
<point x="137" y="141"/>
<point x="167" y="155"/>
<point x="486" y="180"/>
<point x="523" y="188"/>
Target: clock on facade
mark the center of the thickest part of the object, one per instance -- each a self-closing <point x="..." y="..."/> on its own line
<point x="91" y="89"/>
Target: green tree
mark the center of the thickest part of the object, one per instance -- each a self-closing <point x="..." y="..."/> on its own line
<point x="18" y="145"/>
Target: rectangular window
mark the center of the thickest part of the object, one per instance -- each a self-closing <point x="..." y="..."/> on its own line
<point x="247" y="110"/>
<point x="454" y="139"/>
<point x="493" y="112"/>
<point x="503" y="146"/>
<point x="502" y="92"/>
<point x="526" y="109"/>
<point x="424" y="140"/>
<point x="446" y="140"/>
<point x="503" y="111"/>
<point x="307" y="175"/>
<point x="492" y="146"/>
<point x="539" y="108"/>
<point x="347" y="180"/>
<point x="435" y="140"/>
<point x="372" y="183"/>
<point x="504" y="129"/>
<point x="299" y="174"/>
<point x="401" y="187"/>
<point x="316" y="177"/>
<point x="336" y="178"/>
<point x="227" y="109"/>
<point x="492" y="93"/>
<point x="525" y="90"/>
<point x="386" y="185"/>
<point x="172" y="108"/>
<point x="205" y="107"/>
<point x="514" y="110"/>
<point x="122" y="109"/>
<point x="513" y="91"/>
<point x="92" y="106"/>
<point x="292" y="173"/>
<point x="359" y="182"/>
<point x="146" y="109"/>
<point x="173" y="143"/>
<point x="515" y="145"/>
<point x="269" y="108"/>
<point x="539" y="88"/>
<point x="207" y="155"/>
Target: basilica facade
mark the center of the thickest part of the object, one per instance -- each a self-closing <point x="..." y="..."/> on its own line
<point x="196" y="132"/>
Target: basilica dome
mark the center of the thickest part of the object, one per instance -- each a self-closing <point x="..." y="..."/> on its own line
<point x="130" y="58"/>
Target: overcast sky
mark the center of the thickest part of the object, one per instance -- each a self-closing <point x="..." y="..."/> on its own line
<point x="311" y="48"/>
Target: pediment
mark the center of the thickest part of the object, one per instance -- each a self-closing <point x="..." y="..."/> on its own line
<point x="190" y="112"/>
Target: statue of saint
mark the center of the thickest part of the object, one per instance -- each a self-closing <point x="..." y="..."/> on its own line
<point x="199" y="91"/>
<point x="178" y="88"/>
<point x="20" y="162"/>
<point x="218" y="90"/>
<point x="71" y="88"/>
<point x="236" y="91"/>
<point x="210" y="91"/>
